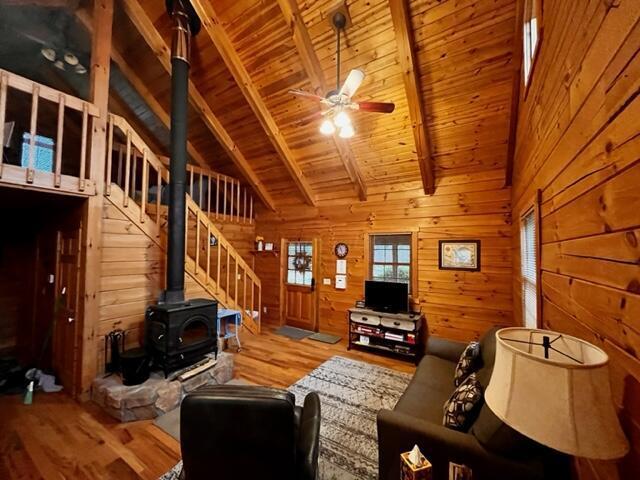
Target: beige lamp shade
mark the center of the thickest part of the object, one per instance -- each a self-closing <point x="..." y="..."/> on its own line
<point x="563" y="401"/>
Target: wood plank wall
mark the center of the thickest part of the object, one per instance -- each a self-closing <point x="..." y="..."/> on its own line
<point x="16" y="293"/>
<point x="459" y="305"/>
<point x="133" y="274"/>
<point x="578" y="142"/>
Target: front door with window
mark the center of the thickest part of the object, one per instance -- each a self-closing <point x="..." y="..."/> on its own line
<point x="299" y="266"/>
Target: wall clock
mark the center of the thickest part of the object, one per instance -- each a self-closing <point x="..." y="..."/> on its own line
<point x="341" y="250"/>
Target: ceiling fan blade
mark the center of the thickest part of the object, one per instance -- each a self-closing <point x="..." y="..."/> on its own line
<point x="310" y="96"/>
<point x="377" y="107"/>
<point x="352" y="83"/>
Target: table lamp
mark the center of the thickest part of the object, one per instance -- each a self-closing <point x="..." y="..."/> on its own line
<point x="555" y="389"/>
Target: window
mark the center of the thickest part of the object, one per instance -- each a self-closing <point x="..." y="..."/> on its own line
<point x="529" y="269"/>
<point x="300" y="263"/>
<point x="530" y="36"/>
<point x="391" y="258"/>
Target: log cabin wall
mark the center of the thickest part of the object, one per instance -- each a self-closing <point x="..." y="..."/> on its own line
<point x="458" y="305"/>
<point x="578" y="143"/>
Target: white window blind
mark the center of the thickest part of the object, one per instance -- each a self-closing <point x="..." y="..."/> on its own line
<point x="529" y="270"/>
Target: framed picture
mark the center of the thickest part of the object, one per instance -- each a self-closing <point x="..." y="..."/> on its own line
<point x="459" y="255"/>
<point x="268" y="247"/>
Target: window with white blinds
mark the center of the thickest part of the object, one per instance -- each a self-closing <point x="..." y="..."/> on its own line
<point x="529" y="270"/>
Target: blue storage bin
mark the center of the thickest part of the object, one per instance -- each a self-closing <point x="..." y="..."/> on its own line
<point x="42" y="152"/>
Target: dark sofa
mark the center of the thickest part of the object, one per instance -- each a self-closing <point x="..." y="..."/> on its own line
<point x="492" y="449"/>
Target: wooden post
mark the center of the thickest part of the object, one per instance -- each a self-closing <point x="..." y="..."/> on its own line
<point x="33" y="132"/>
<point x="92" y="231"/>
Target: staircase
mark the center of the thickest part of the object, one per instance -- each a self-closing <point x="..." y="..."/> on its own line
<point x="137" y="184"/>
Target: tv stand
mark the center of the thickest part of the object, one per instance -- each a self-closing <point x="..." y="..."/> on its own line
<point x="398" y="334"/>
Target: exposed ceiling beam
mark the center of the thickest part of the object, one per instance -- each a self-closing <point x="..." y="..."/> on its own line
<point x="157" y="44"/>
<point x="211" y="24"/>
<point x="407" y="59"/>
<point x="314" y="71"/>
<point x="515" y="94"/>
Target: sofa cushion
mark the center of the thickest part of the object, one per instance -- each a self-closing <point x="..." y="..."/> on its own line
<point x="435" y="371"/>
<point x="468" y="363"/>
<point x="461" y="410"/>
<point x="423" y="401"/>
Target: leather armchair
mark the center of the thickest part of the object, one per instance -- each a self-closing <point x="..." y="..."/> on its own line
<point x="232" y="432"/>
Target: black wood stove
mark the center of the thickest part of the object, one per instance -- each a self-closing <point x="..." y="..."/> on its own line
<point x="178" y="333"/>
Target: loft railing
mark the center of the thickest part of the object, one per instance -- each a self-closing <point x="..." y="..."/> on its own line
<point x="46" y="157"/>
<point x="221" y="196"/>
<point x="210" y="258"/>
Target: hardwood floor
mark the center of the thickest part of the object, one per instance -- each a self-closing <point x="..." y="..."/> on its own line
<point x="58" y="438"/>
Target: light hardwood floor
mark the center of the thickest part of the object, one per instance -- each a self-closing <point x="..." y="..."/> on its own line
<point x="58" y="438"/>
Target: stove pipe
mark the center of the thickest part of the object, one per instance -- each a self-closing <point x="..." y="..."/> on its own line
<point x="186" y="24"/>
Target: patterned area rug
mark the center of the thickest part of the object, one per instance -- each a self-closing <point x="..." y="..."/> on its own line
<point x="351" y="394"/>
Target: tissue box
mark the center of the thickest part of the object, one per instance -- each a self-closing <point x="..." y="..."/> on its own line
<point x="410" y="472"/>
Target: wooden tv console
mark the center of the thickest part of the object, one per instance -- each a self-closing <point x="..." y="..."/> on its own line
<point x="393" y="333"/>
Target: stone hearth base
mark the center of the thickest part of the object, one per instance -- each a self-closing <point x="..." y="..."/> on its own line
<point x="157" y="395"/>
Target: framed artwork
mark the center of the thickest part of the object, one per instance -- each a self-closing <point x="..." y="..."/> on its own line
<point x="459" y="255"/>
<point x="268" y="247"/>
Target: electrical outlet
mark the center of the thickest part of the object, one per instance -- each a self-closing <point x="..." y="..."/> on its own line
<point x="264" y="309"/>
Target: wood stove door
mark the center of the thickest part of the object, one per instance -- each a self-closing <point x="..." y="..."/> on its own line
<point x="65" y="335"/>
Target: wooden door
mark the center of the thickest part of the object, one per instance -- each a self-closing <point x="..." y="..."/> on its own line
<point x="300" y="264"/>
<point x="65" y="335"/>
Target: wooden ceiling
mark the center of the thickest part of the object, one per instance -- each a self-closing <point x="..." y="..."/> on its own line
<point x="447" y="65"/>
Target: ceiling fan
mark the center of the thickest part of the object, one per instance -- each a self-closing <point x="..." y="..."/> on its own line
<point x="340" y="101"/>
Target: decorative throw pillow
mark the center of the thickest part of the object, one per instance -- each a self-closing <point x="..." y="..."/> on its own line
<point x="467" y="363"/>
<point x="462" y="408"/>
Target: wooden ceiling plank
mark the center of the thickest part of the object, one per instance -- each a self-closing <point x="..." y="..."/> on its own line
<point x="407" y="59"/>
<point x="150" y="34"/>
<point x="212" y="25"/>
<point x="311" y="64"/>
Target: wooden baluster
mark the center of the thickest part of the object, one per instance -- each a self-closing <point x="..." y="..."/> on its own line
<point x="217" y="195"/>
<point x="4" y="83"/>
<point x="186" y="229"/>
<point x="253" y="289"/>
<point x="228" y="273"/>
<point x="244" y="291"/>
<point x="224" y="200"/>
<point x="200" y="192"/>
<point x="231" y="199"/>
<point x="134" y="174"/>
<point x="120" y="156"/>
<point x="259" y="305"/>
<point x="209" y="196"/>
<point x="158" y="196"/>
<point x="109" y="155"/>
<point x="127" y="169"/>
<point x="219" y="245"/>
<point x="57" y="177"/>
<point x="145" y="186"/>
<point x="238" y="202"/>
<point x="191" y="182"/>
<point x="235" y="288"/>
<point x="35" y="97"/>
<point x="83" y="145"/>
<point x="208" y="252"/>
<point x="251" y="210"/>
<point x="197" y="243"/>
<point x="244" y="208"/>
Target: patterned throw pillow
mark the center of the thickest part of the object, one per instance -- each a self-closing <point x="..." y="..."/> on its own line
<point x="467" y="363"/>
<point x="462" y="408"/>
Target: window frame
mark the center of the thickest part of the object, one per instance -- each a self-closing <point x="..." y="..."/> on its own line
<point x="532" y="208"/>
<point x="528" y="54"/>
<point x="413" y="256"/>
<point x="286" y="263"/>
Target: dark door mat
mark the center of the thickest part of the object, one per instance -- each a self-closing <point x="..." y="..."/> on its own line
<point x="325" y="338"/>
<point x="293" y="332"/>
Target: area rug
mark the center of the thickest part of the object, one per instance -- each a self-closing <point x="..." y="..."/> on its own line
<point x="293" y="333"/>
<point x="351" y="394"/>
<point x="325" y="338"/>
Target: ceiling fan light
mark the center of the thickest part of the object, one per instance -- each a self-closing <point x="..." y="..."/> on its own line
<point x="342" y="120"/>
<point x="48" y="53"/>
<point x="347" y="131"/>
<point x="327" y="128"/>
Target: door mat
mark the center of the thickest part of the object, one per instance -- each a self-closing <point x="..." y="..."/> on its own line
<point x="325" y="338"/>
<point x="293" y="332"/>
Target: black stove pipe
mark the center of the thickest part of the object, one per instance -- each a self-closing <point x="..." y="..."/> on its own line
<point x="186" y="23"/>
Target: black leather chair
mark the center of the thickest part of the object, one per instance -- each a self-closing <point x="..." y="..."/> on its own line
<point x="238" y="432"/>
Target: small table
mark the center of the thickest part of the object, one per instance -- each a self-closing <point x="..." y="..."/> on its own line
<point x="228" y="317"/>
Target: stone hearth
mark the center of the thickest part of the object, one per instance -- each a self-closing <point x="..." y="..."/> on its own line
<point x="157" y="395"/>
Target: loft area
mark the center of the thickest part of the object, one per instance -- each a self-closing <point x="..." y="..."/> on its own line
<point x="348" y="239"/>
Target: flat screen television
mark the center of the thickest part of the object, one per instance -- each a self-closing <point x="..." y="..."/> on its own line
<point x="389" y="297"/>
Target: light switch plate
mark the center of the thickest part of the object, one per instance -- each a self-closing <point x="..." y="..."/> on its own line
<point x="326" y="281"/>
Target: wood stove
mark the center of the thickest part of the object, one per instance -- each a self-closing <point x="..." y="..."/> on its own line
<point x="179" y="335"/>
